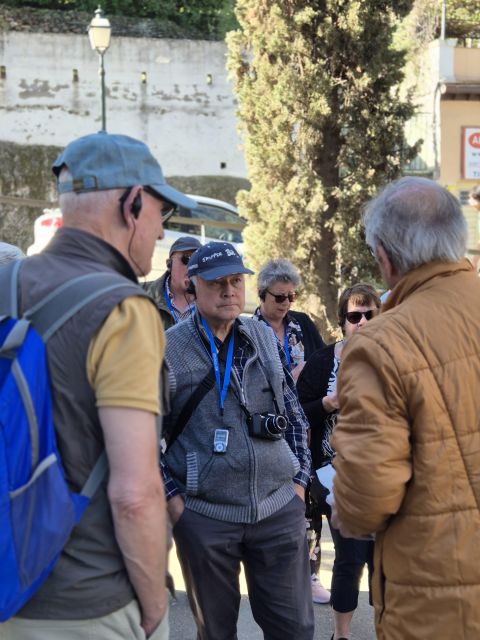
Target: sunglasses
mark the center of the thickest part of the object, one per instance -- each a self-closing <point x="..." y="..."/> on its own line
<point x="281" y="297"/>
<point x="354" y="317"/>
<point x="185" y="259"/>
<point x="168" y="208"/>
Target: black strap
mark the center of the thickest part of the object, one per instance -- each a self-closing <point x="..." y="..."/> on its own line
<point x="192" y="403"/>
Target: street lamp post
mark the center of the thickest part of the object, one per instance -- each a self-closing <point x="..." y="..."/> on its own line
<point x="99" y="31"/>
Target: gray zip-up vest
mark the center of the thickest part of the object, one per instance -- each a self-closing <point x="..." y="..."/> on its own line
<point x="254" y="478"/>
<point x="90" y="579"/>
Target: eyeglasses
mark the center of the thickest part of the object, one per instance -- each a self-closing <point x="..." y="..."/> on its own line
<point x="168" y="208"/>
<point x="354" y="317"/>
<point x="185" y="258"/>
<point x="281" y="297"/>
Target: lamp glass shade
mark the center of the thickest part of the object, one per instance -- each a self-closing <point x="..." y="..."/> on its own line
<point x="99" y="32"/>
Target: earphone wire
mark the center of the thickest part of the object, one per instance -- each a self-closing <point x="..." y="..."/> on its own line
<point x="142" y="273"/>
<point x="122" y="200"/>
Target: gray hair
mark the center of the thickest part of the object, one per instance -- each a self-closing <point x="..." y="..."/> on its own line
<point x="78" y="204"/>
<point x="9" y="252"/>
<point x="416" y="221"/>
<point x="279" y="270"/>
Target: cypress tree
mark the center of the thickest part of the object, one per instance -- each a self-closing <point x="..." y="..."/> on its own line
<point x="322" y="117"/>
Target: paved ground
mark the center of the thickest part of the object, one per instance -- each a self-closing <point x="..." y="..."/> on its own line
<point x="182" y="626"/>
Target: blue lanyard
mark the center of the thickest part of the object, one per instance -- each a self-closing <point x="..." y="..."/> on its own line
<point x="285" y="341"/>
<point x="222" y="389"/>
<point x="169" y="303"/>
<point x="285" y="346"/>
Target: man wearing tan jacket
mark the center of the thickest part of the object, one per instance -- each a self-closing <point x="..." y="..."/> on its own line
<point x="408" y="433"/>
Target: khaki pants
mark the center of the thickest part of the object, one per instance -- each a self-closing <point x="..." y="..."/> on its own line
<point x="123" y="624"/>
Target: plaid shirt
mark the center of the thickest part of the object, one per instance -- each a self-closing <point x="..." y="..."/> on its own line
<point x="296" y="433"/>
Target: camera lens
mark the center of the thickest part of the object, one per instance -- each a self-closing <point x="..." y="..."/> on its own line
<point x="275" y="425"/>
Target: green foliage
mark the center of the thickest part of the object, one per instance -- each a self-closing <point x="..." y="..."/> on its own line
<point x="322" y="119"/>
<point x="207" y="18"/>
<point x="424" y="22"/>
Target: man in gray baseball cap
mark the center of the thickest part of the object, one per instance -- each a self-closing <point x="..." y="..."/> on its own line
<point x="99" y="165"/>
<point x="171" y="290"/>
<point x="102" y="161"/>
<point x="105" y="366"/>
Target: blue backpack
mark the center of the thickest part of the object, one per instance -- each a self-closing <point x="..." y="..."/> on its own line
<point x="37" y="509"/>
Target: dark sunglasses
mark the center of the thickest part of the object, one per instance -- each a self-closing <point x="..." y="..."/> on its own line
<point x="281" y="297"/>
<point x="168" y="208"/>
<point x="354" y="317"/>
<point x="185" y="259"/>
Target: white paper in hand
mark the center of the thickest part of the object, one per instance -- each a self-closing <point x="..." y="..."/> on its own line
<point x="326" y="475"/>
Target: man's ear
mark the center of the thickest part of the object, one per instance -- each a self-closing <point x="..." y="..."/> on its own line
<point x="131" y="206"/>
<point x="389" y="272"/>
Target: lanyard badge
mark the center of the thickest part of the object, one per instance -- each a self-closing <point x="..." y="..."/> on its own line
<point x="220" y="438"/>
<point x="220" y="441"/>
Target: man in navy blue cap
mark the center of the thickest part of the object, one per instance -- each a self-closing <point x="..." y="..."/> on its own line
<point x="171" y="291"/>
<point x="237" y="460"/>
<point x="105" y="365"/>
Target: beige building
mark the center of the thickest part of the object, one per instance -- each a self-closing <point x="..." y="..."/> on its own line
<point x="448" y="121"/>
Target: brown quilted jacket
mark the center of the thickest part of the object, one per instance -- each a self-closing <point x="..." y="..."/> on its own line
<point x="408" y="453"/>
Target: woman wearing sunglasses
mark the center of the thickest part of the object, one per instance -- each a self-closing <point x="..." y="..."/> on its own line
<point x="277" y="284"/>
<point x="317" y="390"/>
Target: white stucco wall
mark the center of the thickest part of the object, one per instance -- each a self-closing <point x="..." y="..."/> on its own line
<point x="189" y="124"/>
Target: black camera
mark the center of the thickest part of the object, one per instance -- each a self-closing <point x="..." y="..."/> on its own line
<point x="267" y="425"/>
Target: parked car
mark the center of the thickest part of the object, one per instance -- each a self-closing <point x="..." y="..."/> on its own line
<point x="211" y="220"/>
<point x="43" y="229"/>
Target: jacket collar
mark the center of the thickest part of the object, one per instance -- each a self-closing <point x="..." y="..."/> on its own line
<point x="421" y="276"/>
<point x="83" y="245"/>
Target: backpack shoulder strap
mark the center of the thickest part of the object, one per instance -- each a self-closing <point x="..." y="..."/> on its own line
<point x="48" y="315"/>
<point x="8" y="289"/>
<point x="96" y="476"/>
<point x="54" y="310"/>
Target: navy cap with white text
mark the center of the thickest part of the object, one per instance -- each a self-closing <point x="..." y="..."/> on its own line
<point x="216" y="260"/>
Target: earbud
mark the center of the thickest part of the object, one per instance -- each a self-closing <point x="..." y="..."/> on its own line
<point x="262" y="295"/>
<point x="169" y="264"/>
<point x="191" y="288"/>
<point x="136" y="206"/>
